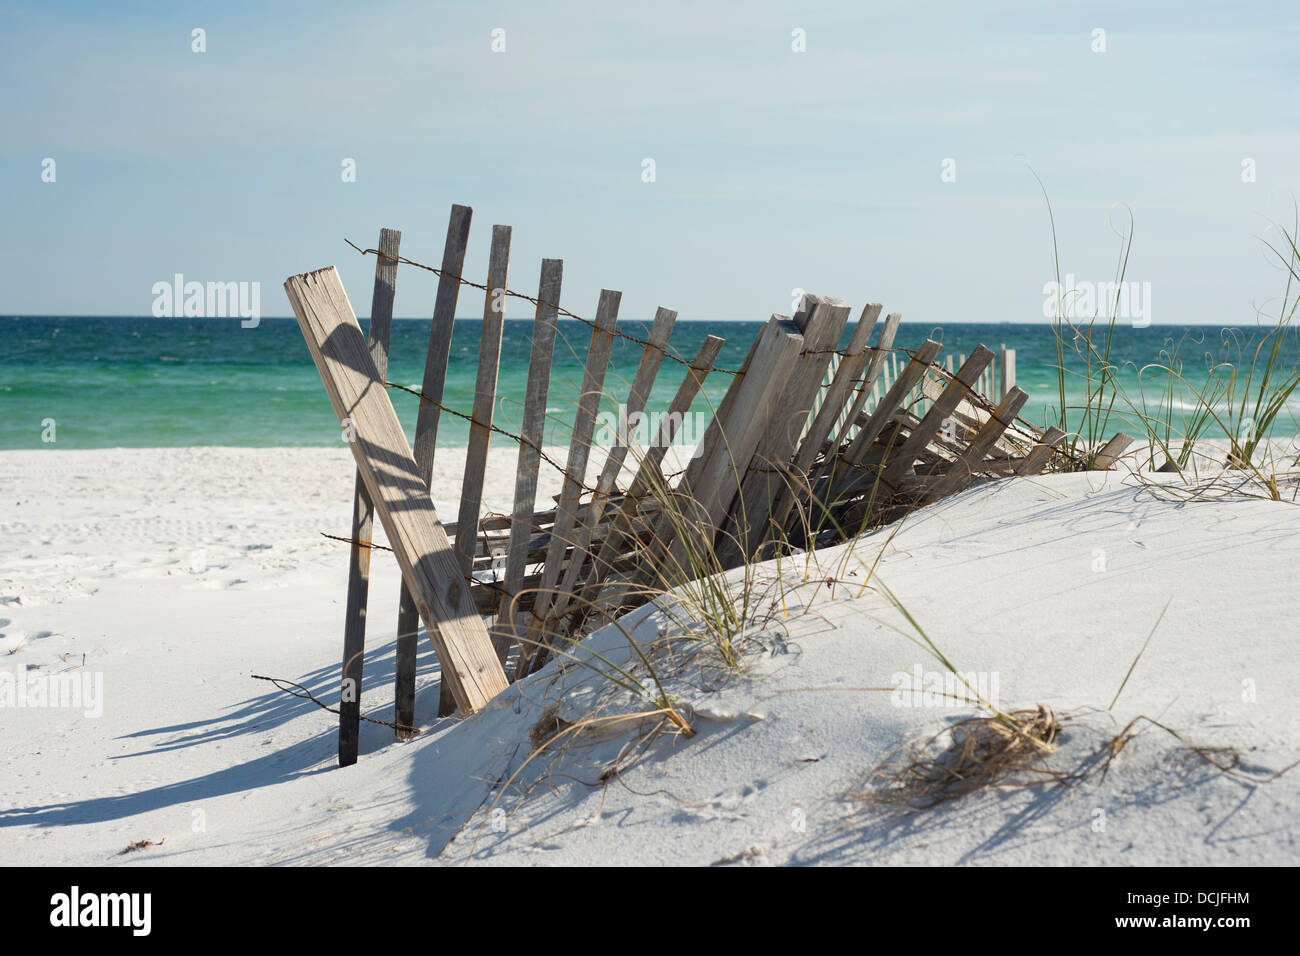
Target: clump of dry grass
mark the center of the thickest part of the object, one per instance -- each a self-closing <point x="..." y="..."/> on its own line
<point x="972" y="754"/>
<point x="984" y="752"/>
<point x="141" y="844"/>
<point x="548" y="727"/>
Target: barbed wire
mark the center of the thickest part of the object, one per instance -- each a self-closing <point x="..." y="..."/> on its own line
<point x="988" y="404"/>
<point x="287" y="685"/>
<point x="560" y="310"/>
<point x="518" y="439"/>
<point x="582" y="486"/>
<point x="369" y="545"/>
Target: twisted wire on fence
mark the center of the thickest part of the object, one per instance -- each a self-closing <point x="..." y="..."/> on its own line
<point x="302" y="693"/>
<point x="979" y="399"/>
<point x="932" y="366"/>
<point x="531" y="299"/>
<point x="543" y="456"/>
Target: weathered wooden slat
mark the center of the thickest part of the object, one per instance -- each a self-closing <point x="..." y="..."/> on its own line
<point x="642" y="383"/>
<point x="837" y="467"/>
<point x="819" y="400"/>
<point x="575" y="470"/>
<point x="856" y="357"/>
<point x="363" y="513"/>
<point x="492" y="548"/>
<point x="1008" y="376"/>
<point x="713" y="434"/>
<point x="426" y="437"/>
<point x="900" y="462"/>
<point x="1033" y="463"/>
<point x="845" y="474"/>
<point x="534" y="425"/>
<point x="501" y="523"/>
<point x="649" y="476"/>
<point x="703" y="453"/>
<point x="709" y="499"/>
<point x="397" y="489"/>
<point x="485" y="395"/>
<point x="1111" y="451"/>
<point x="879" y="357"/>
<point x="893" y="400"/>
<point x="969" y="416"/>
<point x="765" y="475"/>
<point x="968" y="464"/>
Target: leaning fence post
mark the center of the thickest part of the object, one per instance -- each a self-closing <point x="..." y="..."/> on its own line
<point x="766" y="474"/>
<point x="1008" y="370"/>
<point x="776" y="352"/>
<point x="393" y="481"/>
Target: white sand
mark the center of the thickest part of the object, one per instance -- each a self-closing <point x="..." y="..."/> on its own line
<point x="179" y="573"/>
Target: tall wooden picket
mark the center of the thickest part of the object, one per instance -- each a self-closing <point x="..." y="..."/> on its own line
<point x="363" y="512"/>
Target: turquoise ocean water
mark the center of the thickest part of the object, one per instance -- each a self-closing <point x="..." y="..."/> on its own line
<point x="149" y="382"/>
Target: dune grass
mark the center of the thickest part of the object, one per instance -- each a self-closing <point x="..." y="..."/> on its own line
<point x="717" y="609"/>
<point x="1247" y="385"/>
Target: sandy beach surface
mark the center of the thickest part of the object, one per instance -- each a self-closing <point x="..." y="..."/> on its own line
<point x="163" y="579"/>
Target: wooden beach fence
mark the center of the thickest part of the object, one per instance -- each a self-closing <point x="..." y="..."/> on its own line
<point x="809" y="441"/>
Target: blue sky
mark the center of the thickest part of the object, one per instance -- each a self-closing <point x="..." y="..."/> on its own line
<point x="774" y="170"/>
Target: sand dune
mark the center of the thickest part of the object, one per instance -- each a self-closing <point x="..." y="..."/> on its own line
<point x="172" y="576"/>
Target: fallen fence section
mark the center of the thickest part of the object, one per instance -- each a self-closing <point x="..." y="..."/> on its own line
<point x="811" y="444"/>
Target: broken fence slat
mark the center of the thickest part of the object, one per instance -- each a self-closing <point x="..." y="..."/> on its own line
<point x="776" y="352"/>
<point x="967" y="464"/>
<point x="702" y="455"/>
<point x="866" y="391"/>
<point x="648" y="476"/>
<point x="943" y="406"/>
<point x="1033" y="463"/>
<point x="894" y="399"/>
<point x="396" y="488"/>
<point x="1111" y="451"/>
<point x="765" y="475"/>
<point x="856" y="357"/>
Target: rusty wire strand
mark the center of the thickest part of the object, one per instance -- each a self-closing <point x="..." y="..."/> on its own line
<point x="517" y="439"/>
<point x="534" y="301"/>
<point x="279" y="683"/>
<point x="988" y="404"/>
<point x="370" y="545"/>
<point x="862" y="467"/>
